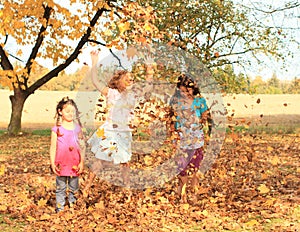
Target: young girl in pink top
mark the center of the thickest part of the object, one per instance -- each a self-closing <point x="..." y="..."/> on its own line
<point x="66" y="151"/>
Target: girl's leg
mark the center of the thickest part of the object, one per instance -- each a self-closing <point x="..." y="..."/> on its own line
<point x="61" y="187"/>
<point x="195" y="183"/>
<point x="97" y="166"/>
<point x="89" y="182"/>
<point x="195" y="164"/>
<point x="182" y="188"/>
<point x="125" y="171"/>
<point x="73" y="186"/>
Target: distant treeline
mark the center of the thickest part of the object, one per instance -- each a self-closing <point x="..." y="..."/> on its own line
<point x="228" y="80"/>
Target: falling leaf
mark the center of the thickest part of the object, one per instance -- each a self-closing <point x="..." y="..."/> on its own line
<point x="112" y="148"/>
<point x="217" y="54"/>
<point x="285" y="104"/>
<point x="258" y="101"/>
<point x="131" y="52"/>
<point x="263" y="189"/>
<point x="100" y="132"/>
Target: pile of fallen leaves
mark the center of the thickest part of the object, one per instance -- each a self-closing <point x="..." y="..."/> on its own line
<point x="254" y="185"/>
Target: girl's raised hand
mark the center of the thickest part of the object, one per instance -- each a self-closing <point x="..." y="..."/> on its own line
<point x="94" y="57"/>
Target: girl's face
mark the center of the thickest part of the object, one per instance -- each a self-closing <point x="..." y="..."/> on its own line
<point x="186" y="91"/>
<point x="68" y="113"/>
<point x="126" y="80"/>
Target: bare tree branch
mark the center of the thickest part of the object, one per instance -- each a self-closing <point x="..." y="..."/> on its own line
<point x="70" y="59"/>
<point x="5" y="63"/>
<point x="39" y="40"/>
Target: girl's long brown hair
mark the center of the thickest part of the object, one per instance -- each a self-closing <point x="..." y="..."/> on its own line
<point x="114" y="82"/>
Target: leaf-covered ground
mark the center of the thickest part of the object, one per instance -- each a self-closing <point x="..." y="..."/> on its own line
<point x="254" y="185"/>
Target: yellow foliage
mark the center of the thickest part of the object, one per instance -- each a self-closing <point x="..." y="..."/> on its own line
<point x="123" y="27"/>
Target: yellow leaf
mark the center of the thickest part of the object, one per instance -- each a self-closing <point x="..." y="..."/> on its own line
<point x="270" y="202"/>
<point x="270" y="148"/>
<point x="148" y="160"/>
<point x="100" y="205"/>
<point x="96" y="215"/>
<point x="107" y="33"/>
<point x="275" y="160"/>
<point x="263" y="189"/>
<point x="112" y="148"/>
<point x="252" y="222"/>
<point x="147" y="27"/>
<point x="100" y="133"/>
<point x="185" y="206"/>
<point x="3" y="207"/>
<point x="204" y="213"/>
<point x="2" y="170"/>
<point x="42" y="202"/>
<point x="30" y="219"/>
<point x="45" y="216"/>
<point x="124" y="27"/>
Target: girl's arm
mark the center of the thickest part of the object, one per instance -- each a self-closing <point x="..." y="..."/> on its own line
<point x="100" y="85"/>
<point x="54" y="168"/>
<point x="82" y="152"/>
<point x="204" y="116"/>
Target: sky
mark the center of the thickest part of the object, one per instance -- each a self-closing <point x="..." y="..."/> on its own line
<point x="287" y="19"/>
<point x="281" y="19"/>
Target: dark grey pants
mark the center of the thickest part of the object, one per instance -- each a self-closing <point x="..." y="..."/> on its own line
<point x="62" y="183"/>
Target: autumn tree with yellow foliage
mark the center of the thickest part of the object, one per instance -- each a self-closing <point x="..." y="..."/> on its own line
<point x="218" y="33"/>
<point x="59" y="34"/>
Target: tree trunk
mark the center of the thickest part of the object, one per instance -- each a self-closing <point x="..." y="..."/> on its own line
<point x="17" y="102"/>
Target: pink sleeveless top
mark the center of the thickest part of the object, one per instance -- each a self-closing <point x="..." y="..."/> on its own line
<point x="67" y="150"/>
